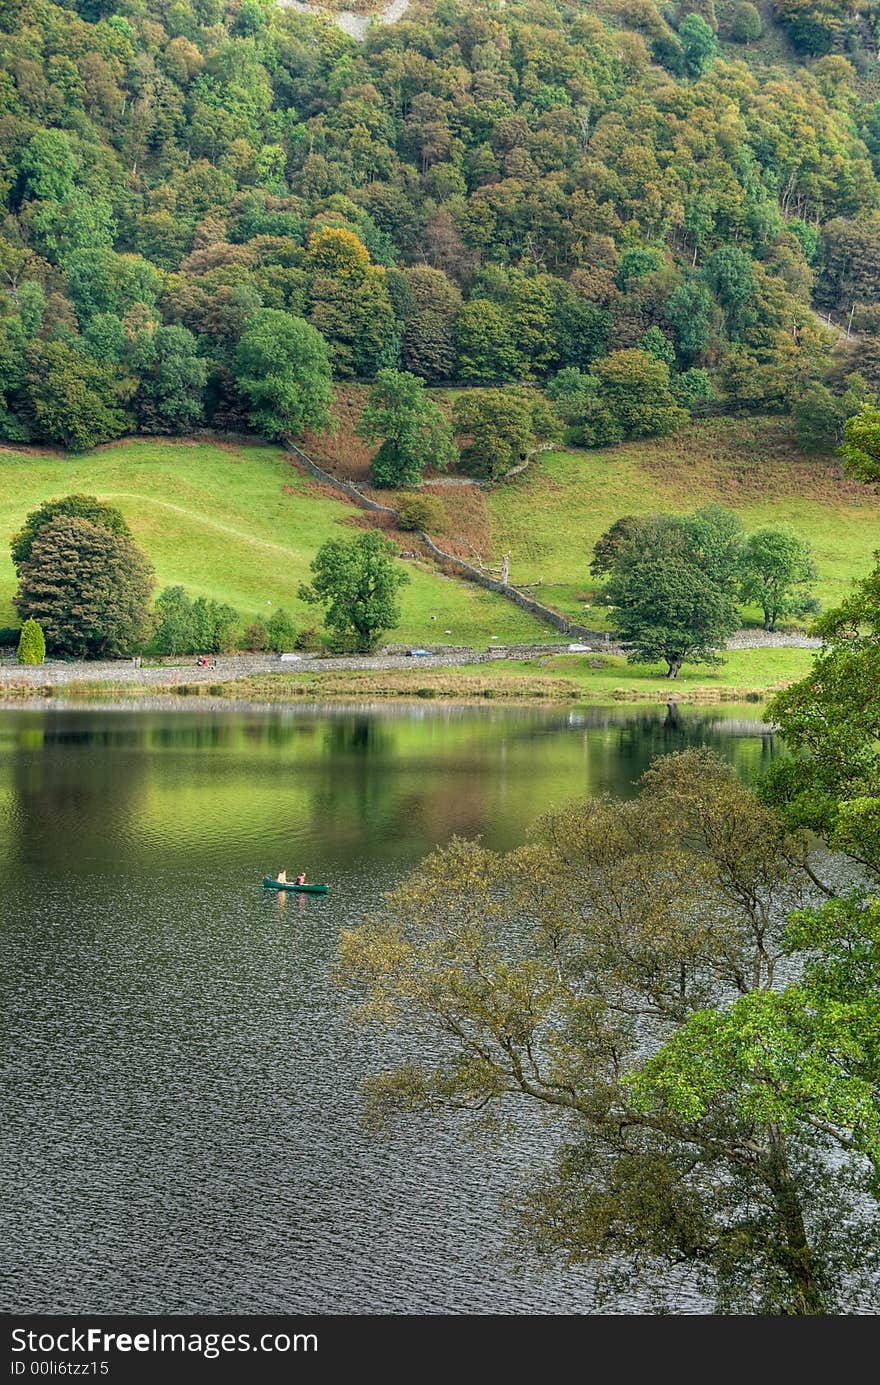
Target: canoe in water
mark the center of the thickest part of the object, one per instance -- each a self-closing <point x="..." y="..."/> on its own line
<point x="271" y="884"/>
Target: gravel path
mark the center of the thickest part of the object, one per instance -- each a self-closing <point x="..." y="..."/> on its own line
<point x="59" y="673"/>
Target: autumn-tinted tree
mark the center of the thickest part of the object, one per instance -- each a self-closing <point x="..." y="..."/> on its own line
<point x="88" y="588"/>
<point x="415" y="431"/>
<point x="356" y="581"/>
<point x="624" y="972"/>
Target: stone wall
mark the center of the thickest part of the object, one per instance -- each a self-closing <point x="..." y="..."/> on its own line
<point x="466" y="570"/>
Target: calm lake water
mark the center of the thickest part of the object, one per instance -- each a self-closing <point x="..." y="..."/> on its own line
<point x="180" y="1093"/>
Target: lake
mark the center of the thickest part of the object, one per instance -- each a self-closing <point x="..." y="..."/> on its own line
<point x="180" y="1091"/>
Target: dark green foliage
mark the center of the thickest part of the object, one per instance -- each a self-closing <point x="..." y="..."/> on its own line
<point x="71" y="506"/>
<point x="665" y="602"/>
<point x="356" y="581"/>
<point x="254" y="637"/>
<point x="172" y="380"/>
<point x="184" y="626"/>
<point x="31" y="643"/>
<point x="414" y="430"/>
<point x="699" y="44"/>
<point x="72" y="397"/>
<point x="88" y="588"/>
<point x="283" y="370"/>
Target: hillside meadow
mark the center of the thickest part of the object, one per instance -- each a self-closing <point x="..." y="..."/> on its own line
<point x="241" y="524"/>
<point x="550" y="516"/>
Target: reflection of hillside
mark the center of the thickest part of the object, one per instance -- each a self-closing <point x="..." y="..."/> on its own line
<point x="237" y="788"/>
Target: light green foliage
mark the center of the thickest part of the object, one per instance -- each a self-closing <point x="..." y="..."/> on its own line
<point x="831" y="723"/>
<point x="31" y="643"/>
<point x="414" y="430"/>
<point x="745" y="24"/>
<point x="635" y="390"/>
<point x="422" y="512"/>
<point x="357" y="581"/>
<point x="283" y="370"/>
<point x="778" y="574"/>
<point x="281" y="632"/>
<point x="861" y="446"/>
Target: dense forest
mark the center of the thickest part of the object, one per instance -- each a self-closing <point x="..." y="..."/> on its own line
<point x="637" y="205"/>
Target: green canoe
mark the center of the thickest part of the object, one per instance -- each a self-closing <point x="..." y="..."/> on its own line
<point x="271" y="884"/>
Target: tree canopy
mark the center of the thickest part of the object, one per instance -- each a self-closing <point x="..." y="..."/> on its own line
<point x="88" y="588"/>
<point x="356" y="581"/>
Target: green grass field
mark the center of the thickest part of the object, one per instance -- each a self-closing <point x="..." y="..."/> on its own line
<point x="550" y="516"/>
<point x="239" y="524"/>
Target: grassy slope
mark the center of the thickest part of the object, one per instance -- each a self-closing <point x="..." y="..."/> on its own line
<point x="550" y="517"/>
<point x="240" y="524"/>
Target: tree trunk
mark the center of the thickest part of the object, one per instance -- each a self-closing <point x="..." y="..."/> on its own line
<point x="794" y="1254"/>
<point x="673" y="667"/>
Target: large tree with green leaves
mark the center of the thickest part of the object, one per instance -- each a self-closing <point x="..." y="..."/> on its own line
<point x="88" y="588"/>
<point x="665" y="602"/>
<point x="777" y="573"/>
<point x="74" y="399"/>
<point x="415" y="431"/>
<point x="283" y="370"/>
<point x="357" y="581"/>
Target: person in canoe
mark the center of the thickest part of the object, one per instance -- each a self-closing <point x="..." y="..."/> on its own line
<point x="281" y="877"/>
<point x="301" y="878"/>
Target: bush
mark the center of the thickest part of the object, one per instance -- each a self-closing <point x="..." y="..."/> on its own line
<point x="9" y="636"/>
<point x="421" y="512"/>
<point x="308" y="638"/>
<point x="31" y="644"/>
<point x="745" y="25"/>
<point x="280" y="632"/>
<point x="255" y="636"/>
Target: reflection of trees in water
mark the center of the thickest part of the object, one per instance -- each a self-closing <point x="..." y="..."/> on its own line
<point x="619" y="759"/>
<point x="72" y="797"/>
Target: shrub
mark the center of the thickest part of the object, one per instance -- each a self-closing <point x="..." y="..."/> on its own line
<point x="280" y="632"/>
<point x="745" y="26"/>
<point x="421" y="512"/>
<point x="9" y="636"/>
<point x="309" y="638"/>
<point x="31" y="644"/>
<point x="255" y="636"/>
